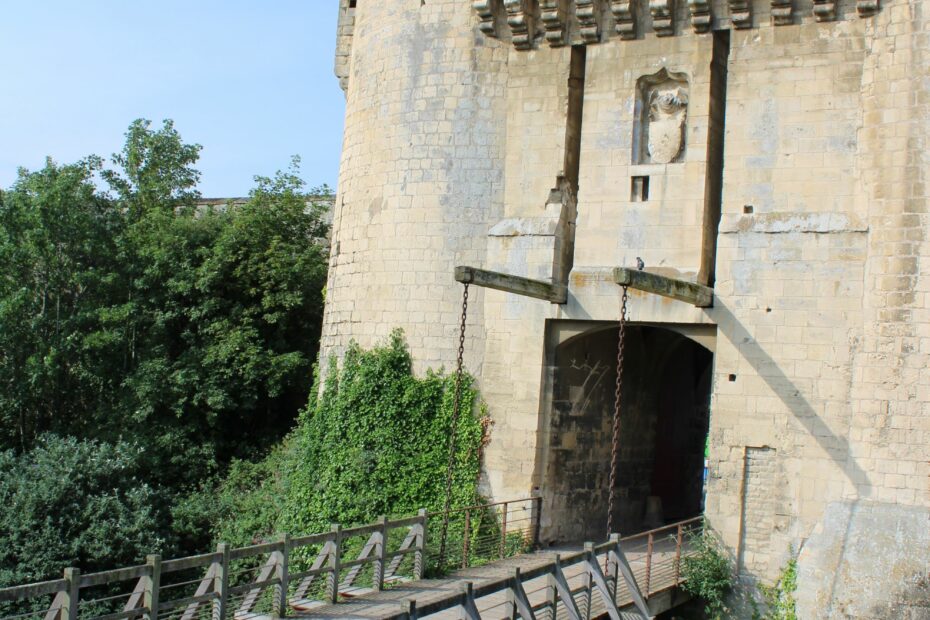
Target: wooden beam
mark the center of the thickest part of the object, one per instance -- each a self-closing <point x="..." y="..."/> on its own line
<point x="555" y="293"/>
<point x="682" y="290"/>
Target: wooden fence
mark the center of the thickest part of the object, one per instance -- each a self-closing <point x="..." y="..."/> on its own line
<point x="272" y="579"/>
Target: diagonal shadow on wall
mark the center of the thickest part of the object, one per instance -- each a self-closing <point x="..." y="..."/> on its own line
<point x="791" y="396"/>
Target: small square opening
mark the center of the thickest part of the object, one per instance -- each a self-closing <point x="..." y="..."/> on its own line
<point x="639" y="189"/>
<point x="747" y="209"/>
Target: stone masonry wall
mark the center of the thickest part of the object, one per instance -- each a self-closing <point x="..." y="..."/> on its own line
<point x="820" y="413"/>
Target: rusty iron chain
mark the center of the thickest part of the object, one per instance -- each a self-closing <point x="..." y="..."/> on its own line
<point x="456" y="406"/>
<point x="615" y="440"/>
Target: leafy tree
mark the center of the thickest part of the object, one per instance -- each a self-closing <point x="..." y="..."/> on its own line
<point x="132" y="315"/>
<point x="69" y="502"/>
<point x="58" y="269"/>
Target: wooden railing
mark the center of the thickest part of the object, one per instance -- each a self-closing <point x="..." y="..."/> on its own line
<point x="266" y="579"/>
<point x="607" y="579"/>
<point x="275" y="578"/>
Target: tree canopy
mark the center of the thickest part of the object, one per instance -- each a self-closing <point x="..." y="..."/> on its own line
<point x="132" y="320"/>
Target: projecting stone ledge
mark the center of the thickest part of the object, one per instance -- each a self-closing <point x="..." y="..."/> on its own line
<point x="696" y="294"/>
<point x="555" y="293"/>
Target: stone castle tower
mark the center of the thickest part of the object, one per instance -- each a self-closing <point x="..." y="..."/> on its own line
<point x="774" y="150"/>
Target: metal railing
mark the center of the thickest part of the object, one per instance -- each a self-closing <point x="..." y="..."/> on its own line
<point x="483" y="533"/>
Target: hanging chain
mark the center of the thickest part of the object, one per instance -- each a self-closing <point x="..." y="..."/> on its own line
<point x="615" y="440"/>
<point x="456" y="406"/>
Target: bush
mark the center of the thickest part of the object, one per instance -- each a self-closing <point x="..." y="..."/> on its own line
<point x="708" y="573"/>
<point x="69" y="502"/>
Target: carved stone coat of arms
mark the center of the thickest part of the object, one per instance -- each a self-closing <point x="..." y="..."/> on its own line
<point x="667" y="114"/>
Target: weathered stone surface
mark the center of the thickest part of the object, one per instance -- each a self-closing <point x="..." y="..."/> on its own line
<point x="820" y="329"/>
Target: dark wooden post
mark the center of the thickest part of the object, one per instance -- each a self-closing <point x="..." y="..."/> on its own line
<point x="678" y="555"/>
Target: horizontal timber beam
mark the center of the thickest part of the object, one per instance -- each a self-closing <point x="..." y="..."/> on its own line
<point x="555" y="293"/>
<point x="682" y="290"/>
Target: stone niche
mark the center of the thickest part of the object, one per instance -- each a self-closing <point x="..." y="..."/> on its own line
<point x="661" y="118"/>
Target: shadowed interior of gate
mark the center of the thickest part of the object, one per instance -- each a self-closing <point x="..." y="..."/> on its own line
<point x="664" y="423"/>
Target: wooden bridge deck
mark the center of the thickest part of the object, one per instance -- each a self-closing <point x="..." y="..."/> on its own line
<point x="389" y="603"/>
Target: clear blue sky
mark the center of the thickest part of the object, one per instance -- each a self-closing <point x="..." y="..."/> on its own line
<point x="251" y="81"/>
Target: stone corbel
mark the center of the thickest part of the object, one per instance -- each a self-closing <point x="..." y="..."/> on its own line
<point x="589" y="20"/>
<point x="700" y="15"/>
<point x="624" y="12"/>
<point x="824" y="10"/>
<point x="487" y="11"/>
<point x="781" y="12"/>
<point x="520" y="18"/>
<point x="740" y="13"/>
<point x="554" y="18"/>
<point x="867" y="8"/>
<point x="663" y="17"/>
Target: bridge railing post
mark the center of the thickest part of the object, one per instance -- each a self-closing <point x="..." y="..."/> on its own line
<point x="152" y="585"/>
<point x="332" y="582"/>
<point x="678" y="555"/>
<point x="613" y="568"/>
<point x="419" y="556"/>
<point x="588" y="581"/>
<point x="72" y="596"/>
<point x="381" y="544"/>
<point x="279" y="606"/>
<point x="221" y="583"/>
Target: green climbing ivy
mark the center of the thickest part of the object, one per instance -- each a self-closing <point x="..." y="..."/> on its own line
<point x="376" y="439"/>
<point x="779" y="597"/>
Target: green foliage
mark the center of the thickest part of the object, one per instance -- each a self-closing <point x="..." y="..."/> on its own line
<point x="779" y="597"/>
<point x="69" y="502"/>
<point x="708" y="573"/>
<point x="132" y="315"/>
<point x="373" y="442"/>
<point x="376" y="442"/>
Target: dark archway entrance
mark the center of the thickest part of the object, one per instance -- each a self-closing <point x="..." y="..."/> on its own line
<point x="667" y="387"/>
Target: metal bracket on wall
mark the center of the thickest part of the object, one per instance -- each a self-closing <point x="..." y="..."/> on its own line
<point x="689" y="292"/>
<point x="551" y="292"/>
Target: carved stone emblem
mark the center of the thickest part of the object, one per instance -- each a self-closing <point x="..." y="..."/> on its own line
<point x="667" y="111"/>
<point x="662" y="110"/>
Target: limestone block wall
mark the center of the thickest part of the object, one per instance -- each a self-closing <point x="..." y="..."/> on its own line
<point x="665" y="229"/>
<point x="820" y="413"/>
<point x="420" y="177"/>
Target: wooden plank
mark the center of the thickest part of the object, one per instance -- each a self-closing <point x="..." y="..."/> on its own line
<point x="689" y="292"/>
<point x="16" y="593"/>
<point x="520" y="599"/>
<point x="620" y="558"/>
<point x="565" y="593"/>
<point x="548" y="291"/>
